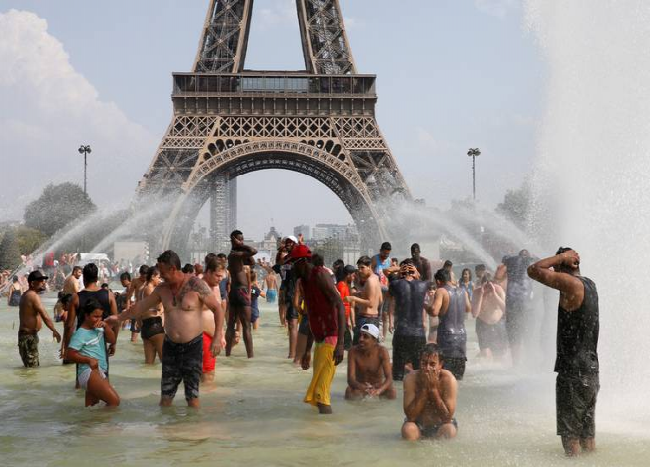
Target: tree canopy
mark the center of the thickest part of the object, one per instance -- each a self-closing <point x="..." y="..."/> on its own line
<point x="9" y="251"/>
<point x="57" y="206"/>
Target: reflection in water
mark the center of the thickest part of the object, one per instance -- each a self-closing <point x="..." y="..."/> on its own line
<point x="256" y="415"/>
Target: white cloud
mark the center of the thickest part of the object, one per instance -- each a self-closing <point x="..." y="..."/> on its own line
<point x="497" y="8"/>
<point x="48" y="110"/>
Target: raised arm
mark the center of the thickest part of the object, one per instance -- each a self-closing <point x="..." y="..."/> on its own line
<point x="543" y="271"/>
<point x="150" y="301"/>
<point x="477" y="301"/>
<point x="415" y="399"/>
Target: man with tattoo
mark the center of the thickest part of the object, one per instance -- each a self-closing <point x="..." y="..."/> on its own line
<point x="239" y="297"/>
<point x="183" y="298"/>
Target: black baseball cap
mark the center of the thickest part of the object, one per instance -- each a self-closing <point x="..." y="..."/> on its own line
<point x="36" y="276"/>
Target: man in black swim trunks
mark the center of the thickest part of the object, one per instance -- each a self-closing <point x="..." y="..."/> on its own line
<point x="576" y="364"/>
<point x="239" y="297"/>
<point x="430" y="395"/>
<point x="183" y="298"/>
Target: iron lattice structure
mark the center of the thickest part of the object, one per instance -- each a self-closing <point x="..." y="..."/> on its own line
<point x="228" y="122"/>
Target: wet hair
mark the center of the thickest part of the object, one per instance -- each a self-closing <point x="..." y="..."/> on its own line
<point x="170" y="258"/>
<point x="442" y="275"/>
<point x="414" y="246"/>
<point x="235" y="233"/>
<point x="563" y="249"/>
<point x="90" y="306"/>
<point x="65" y="298"/>
<point x="317" y="260"/>
<point x="104" y="286"/>
<point x="15" y="278"/>
<point x="209" y="256"/>
<point x="408" y="261"/>
<point x="143" y="270"/>
<point x="385" y="246"/>
<point x="524" y="253"/>
<point x="429" y="350"/>
<point x="198" y="269"/>
<point x="188" y="268"/>
<point x="211" y="263"/>
<point x="90" y="273"/>
<point x="125" y="276"/>
<point x="76" y="268"/>
<point x="470" y="274"/>
<point x="364" y="261"/>
<point x="447" y="264"/>
<point x="480" y="267"/>
<point x="222" y="256"/>
<point x="487" y="277"/>
<point x="339" y="263"/>
<point x="153" y="270"/>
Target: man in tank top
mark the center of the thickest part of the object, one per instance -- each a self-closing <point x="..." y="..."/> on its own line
<point x="450" y="304"/>
<point x="576" y="364"/>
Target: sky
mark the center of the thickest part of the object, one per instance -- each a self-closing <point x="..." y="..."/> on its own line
<point x="451" y="74"/>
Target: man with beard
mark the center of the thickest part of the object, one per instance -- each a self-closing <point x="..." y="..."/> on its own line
<point x="32" y="315"/>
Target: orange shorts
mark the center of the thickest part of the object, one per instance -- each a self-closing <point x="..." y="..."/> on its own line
<point x="209" y="362"/>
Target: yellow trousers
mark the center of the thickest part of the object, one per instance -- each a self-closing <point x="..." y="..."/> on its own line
<point x="321" y="382"/>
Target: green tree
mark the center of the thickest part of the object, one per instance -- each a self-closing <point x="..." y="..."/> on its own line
<point x="29" y="239"/>
<point x="9" y="251"/>
<point x="516" y="205"/>
<point x="57" y="206"/>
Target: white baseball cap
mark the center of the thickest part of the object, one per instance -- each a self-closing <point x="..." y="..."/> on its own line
<point x="371" y="329"/>
<point x="292" y="238"/>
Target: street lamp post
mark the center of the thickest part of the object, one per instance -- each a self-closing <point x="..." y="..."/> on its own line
<point x="474" y="153"/>
<point x="85" y="150"/>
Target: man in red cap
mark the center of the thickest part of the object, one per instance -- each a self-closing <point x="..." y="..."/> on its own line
<point x="327" y="326"/>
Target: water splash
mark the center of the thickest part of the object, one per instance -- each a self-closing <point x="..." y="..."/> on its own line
<point x="593" y="166"/>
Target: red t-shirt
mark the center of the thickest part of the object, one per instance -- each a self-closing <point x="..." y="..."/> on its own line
<point x="323" y="320"/>
<point x="344" y="290"/>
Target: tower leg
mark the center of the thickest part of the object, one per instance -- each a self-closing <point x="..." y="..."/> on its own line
<point x="223" y="212"/>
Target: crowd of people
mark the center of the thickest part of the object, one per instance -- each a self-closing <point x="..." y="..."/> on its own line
<point x="187" y="314"/>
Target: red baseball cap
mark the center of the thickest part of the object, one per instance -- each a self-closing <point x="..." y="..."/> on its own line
<point x="299" y="251"/>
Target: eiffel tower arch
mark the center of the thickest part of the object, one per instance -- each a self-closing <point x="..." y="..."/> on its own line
<point x="229" y="121"/>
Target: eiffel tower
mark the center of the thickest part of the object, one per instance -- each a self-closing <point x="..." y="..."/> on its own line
<point x="229" y="121"/>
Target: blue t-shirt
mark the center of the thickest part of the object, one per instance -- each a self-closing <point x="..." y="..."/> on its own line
<point x="90" y="343"/>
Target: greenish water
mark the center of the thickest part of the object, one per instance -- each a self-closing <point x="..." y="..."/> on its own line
<point x="255" y="416"/>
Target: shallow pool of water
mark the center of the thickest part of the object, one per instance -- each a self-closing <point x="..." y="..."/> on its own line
<point x="255" y="416"/>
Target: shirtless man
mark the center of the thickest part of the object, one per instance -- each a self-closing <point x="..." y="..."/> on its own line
<point x="368" y="300"/>
<point x="430" y="395"/>
<point x="381" y="266"/>
<point x="488" y="306"/>
<point x="239" y="298"/>
<point x="71" y="284"/>
<point x="271" y="281"/>
<point x="183" y="298"/>
<point x="32" y="315"/>
<point x="212" y="276"/>
<point x="369" y="370"/>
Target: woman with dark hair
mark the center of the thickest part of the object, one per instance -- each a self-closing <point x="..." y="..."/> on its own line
<point x="466" y="283"/>
<point x="152" y="331"/>
<point x="87" y="348"/>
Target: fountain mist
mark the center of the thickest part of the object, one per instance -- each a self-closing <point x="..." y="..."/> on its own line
<point x="593" y="166"/>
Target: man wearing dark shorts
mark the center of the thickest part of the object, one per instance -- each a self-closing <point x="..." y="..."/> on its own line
<point x="183" y="298"/>
<point x="576" y="364"/>
<point x="407" y="307"/>
<point x="239" y="297"/>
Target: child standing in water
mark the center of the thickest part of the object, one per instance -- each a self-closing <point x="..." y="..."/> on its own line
<point x="88" y="348"/>
<point x="256" y="292"/>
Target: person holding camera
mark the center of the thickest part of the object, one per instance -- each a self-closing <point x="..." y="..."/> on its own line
<point x="407" y="309"/>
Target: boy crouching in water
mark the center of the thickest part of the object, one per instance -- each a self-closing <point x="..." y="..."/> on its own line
<point x="87" y="348"/>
